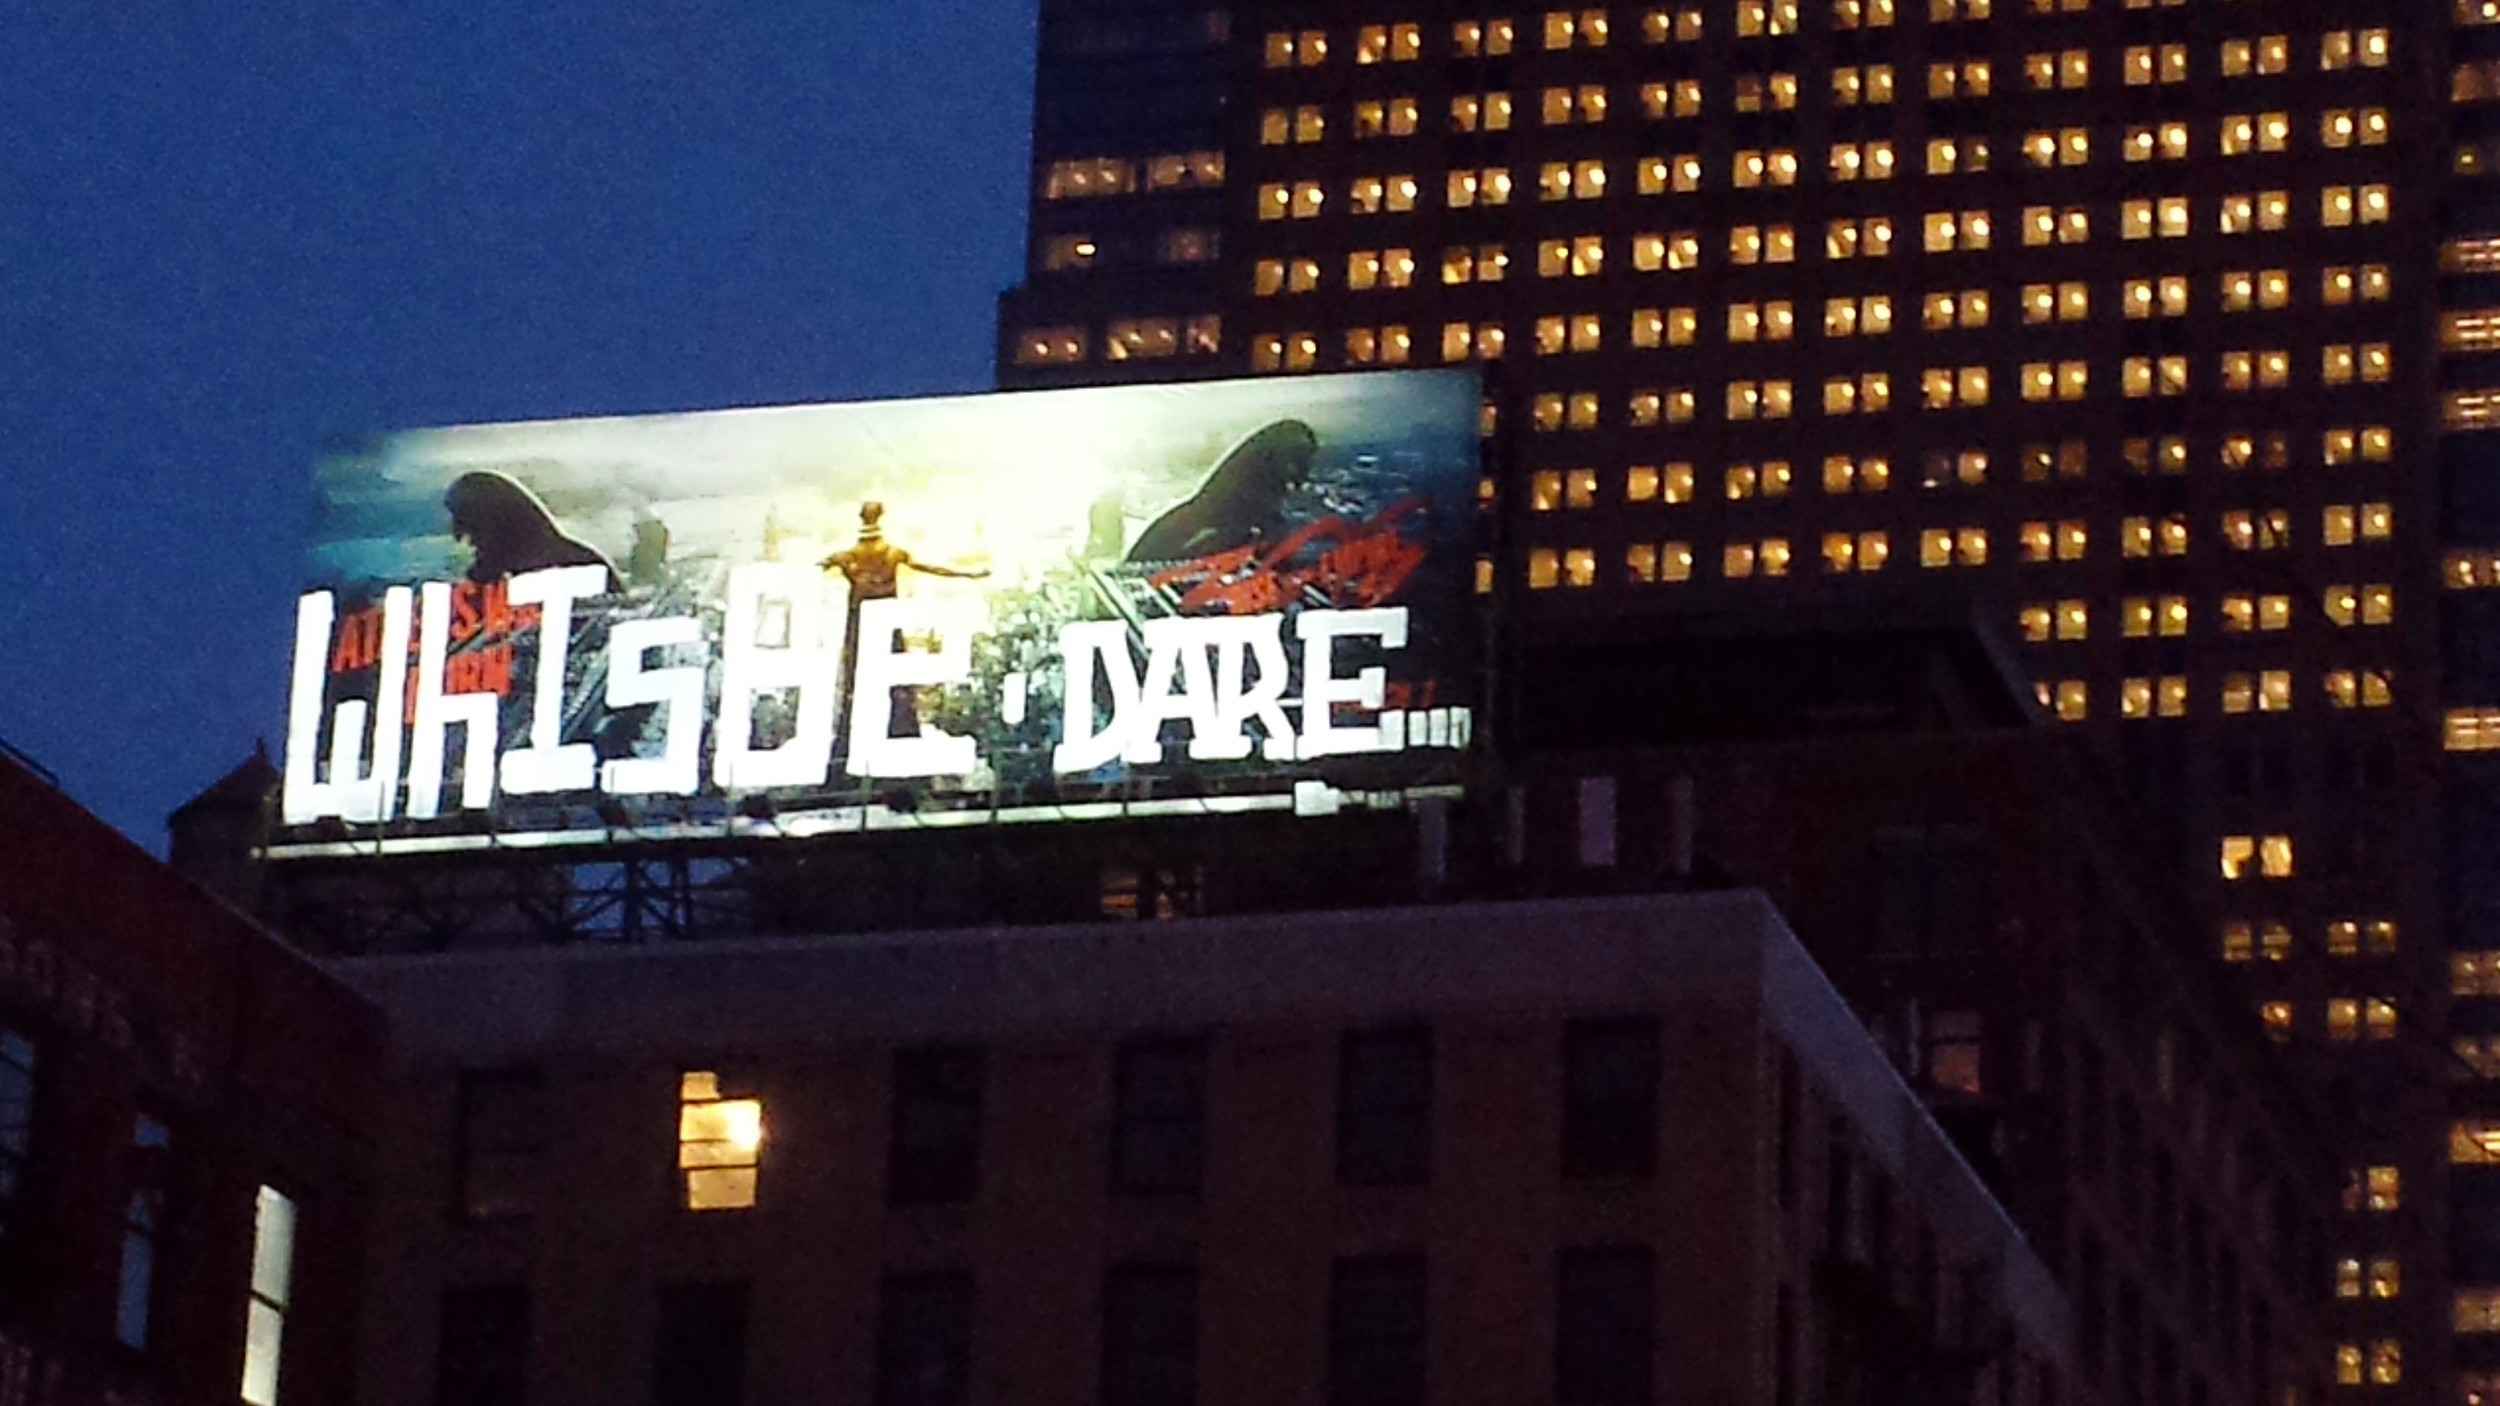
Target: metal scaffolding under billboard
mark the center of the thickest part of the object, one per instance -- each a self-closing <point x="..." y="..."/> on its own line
<point x="820" y="619"/>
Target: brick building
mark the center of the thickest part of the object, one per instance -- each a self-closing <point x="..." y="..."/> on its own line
<point x="1609" y="1151"/>
<point x="183" y="1155"/>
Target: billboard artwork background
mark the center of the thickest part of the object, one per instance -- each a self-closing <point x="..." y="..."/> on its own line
<point x="828" y="617"/>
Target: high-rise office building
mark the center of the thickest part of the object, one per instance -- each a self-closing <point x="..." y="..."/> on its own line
<point x="2152" y="326"/>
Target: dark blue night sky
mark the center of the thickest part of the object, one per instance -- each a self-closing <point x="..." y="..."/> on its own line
<point x="230" y="233"/>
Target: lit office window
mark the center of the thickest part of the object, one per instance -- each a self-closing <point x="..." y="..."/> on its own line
<point x="1677" y="26"/>
<point x="2145" y="65"/>
<point x="1481" y="38"/>
<point x="2143" y="298"/>
<point x="2263" y="56"/>
<point x="1185" y="170"/>
<point x="1673" y="561"/>
<point x="1861" y="161"/>
<point x="1948" y="231"/>
<point x="1279" y="126"/>
<point x="1479" y="263"/>
<point x="1658" y="483"/>
<point x="1480" y="112"/>
<point x="1758" y="18"/>
<point x="1490" y="185"/>
<point x="2245" y="133"/>
<point x="1372" y="195"/>
<point x="1841" y="474"/>
<point x="2351" y="48"/>
<point x="1870" y="84"/>
<point x="1769" y="557"/>
<point x="720" y="1141"/>
<point x="1091" y="176"/>
<point x="1681" y="98"/>
<point x="2339" y="128"/>
<point x="1762" y="244"/>
<point x="2065" y="146"/>
<point x="1269" y="277"/>
<point x="1385" y="117"/>
<point x="2257" y="530"/>
<point x="2165" y="141"/>
<point x="2358" y="688"/>
<point x="1770" y="480"/>
<point x="1760" y="400"/>
<point x="1583" y="256"/>
<point x="1392" y="345"/>
<point x="1366" y="269"/>
<point x="1658" y="175"/>
<point x="2256" y="856"/>
<point x="2387" y="1362"/>
<point x="1046" y="346"/>
<point x="273" y="1269"/>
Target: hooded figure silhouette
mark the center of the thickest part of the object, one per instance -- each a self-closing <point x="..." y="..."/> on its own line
<point x="510" y="531"/>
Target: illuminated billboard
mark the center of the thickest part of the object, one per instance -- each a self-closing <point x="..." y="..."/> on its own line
<point x="818" y="619"/>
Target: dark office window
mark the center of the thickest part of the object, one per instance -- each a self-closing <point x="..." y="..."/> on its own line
<point x="1954" y="1056"/>
<point x="924" y="1339"/>
<point x="936" y="1153"/>
<point x="2091" y="1295"/>
<point x="1931" y="895"/>
<point x="1384" y="1108"/>
<point x="17" y="1129"/>
<point x="1376" y="1332"/>
<point x="1784" y="1349"/>
<point x="481" y="1355"/>
<point x="2127" y="1371"/>
<point x="2261" y="1338"/>
<point x="2234" y="1313"/>
<point x="1605" y="1313"/>
<point x="2130" y="1163"/>
<point x="1791" y="1126"/>
<point x="1610" y="1098"/>
<point x="699" y="1356"/>
<point x="143" y="1230"/>
<point x="503" y="1127"/>
<point x="1153" y="892"/>
<point x="1844" y="1215"/>
<point x="1159" y="1117"/>
<point x="1150" y="1336"/>
<point x="2091" y="1112"/>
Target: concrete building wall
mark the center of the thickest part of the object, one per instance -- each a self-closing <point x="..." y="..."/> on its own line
<point x="813" y="1027"/>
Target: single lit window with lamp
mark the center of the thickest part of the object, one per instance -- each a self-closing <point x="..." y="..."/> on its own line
<point x="720" y="1143"/>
